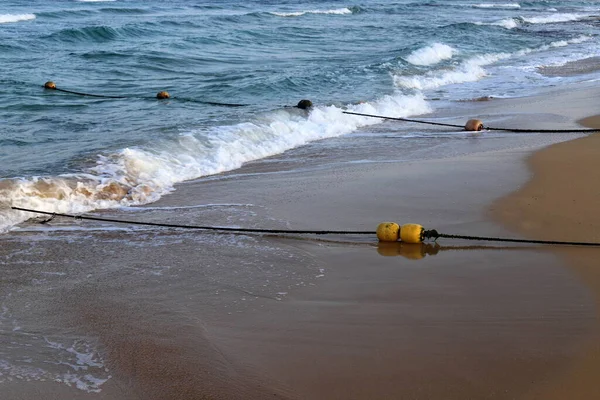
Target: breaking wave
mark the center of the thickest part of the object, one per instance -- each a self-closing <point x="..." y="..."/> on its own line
<point x="8" y="18"/>
<point x="470" y="70"/>
<point x="142" y="175"/>
<point x="431" y="55"/>
<point x="338" y="11"/>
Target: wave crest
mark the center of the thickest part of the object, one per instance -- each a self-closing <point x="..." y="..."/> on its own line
<point x="431" y="55"/>
<point x="511" y="23"/>
<point x="134" y="176"/>
<point x="472" y="69"/>
<point x="497" y="5"/>
<point x="9" y="18"/>
<point x="337" y="11"/>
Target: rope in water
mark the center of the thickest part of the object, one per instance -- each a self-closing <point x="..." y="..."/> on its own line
<point x="462" y="126"/>
<point x="306" y="104"/>
<point x="210" y="228"/>
<point x="431" y="234"/>
<point x="52" y="86"/>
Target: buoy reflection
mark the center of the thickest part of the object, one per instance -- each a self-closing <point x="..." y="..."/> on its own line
<point x="412" y="251"/>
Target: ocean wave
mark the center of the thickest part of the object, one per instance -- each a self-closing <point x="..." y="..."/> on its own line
<point x="337" y="11"/>
<point x="511" y="23"/>
<point x="123" y="10"/>
<point x="8" y="18"/>
<point x="96" y="1"/>
<point x="497" y="5"/>
<point x="99" y="34"/>
<point x="134" y="176"/>
<point x="431" y="54"/>
<point x="550" y="19"/>
<point x="66" y="13"/>
<point x="471" y="70"/>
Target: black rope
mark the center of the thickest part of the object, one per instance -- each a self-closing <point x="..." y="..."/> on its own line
<point x="428" y="234"/>
<point x="211" y="228"/>
<point x="542" y="130"/>
<point x="90" y="95"/>
<point x="403" y="119"/>
<point x="212" y="103"/>
<point x="487" y="127"/>
<point x="433" y="234"/>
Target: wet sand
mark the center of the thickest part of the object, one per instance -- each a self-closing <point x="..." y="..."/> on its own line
<point x="571" y="68"/>
<point x="178" y="315"/>
<point x="560" y="203"/>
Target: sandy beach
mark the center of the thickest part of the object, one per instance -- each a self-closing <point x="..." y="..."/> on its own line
<point x="209" y="316"/>
<point x="561" y="201"/>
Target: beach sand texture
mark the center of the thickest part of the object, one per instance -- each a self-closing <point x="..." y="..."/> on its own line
<point x="562" y="199"/>
<point x="188" y="315"/>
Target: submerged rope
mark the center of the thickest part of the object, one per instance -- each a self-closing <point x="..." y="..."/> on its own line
<point x="90" y="95"/>
<point x="212" y="103"/>
<point x="487" y="127"/>
<point x="211" y="228"/>
<point x="430" y="234"/>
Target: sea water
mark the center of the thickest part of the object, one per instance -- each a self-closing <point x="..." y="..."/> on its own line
<point x="61" y="152"/>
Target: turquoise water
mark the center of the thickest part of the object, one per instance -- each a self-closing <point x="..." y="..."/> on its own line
<point x="67" y="153"/>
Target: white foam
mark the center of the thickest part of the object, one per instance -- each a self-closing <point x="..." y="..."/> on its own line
<point x="78" y="365"/>
<point x="508" y="23"/>
<point x="135" y="176"/>
<point x="431" y="55"/>
<point x="469" y="71"/>
<point x="472" y="69"/>
<point x="558" y="43"/>
<point x="337" y="11"/>
<point x="511" y="23"/>
<point x="173" y="208"/>
<point x="549" y="19"/>
<point x="497" y="5"/>
<point x="8" y="18"/>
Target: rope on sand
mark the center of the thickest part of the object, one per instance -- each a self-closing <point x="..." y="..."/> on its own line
<point x="413" y="233"/>
<point x="198" y="227"/>
<point x="475" y="125"/>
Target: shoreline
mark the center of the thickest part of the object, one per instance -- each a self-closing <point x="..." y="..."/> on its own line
<point x="254" y="316"/>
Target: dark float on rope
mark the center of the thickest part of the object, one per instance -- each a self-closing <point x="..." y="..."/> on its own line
<point x="163" y="95"/>
<point x="50" y="85"/>
<point x="304" y="104"/>
<point x="474" y="125"/>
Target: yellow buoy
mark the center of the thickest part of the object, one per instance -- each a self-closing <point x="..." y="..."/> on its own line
<point x="162" y="95"/>
<point x="411" y="233"/>
<point x="388" y="232"/>
<point x="474" y="125"/>
<point x="49" y="85"/>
